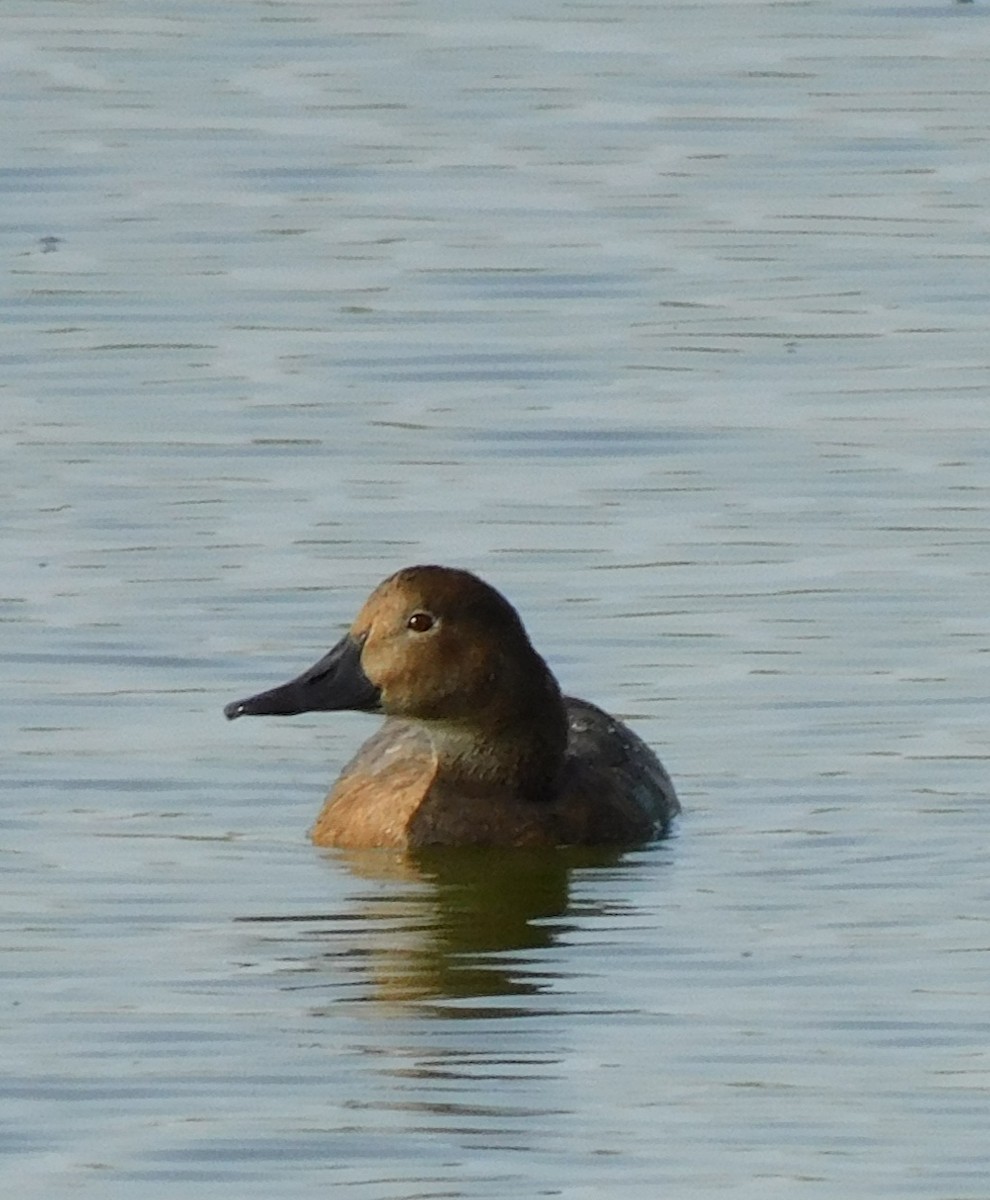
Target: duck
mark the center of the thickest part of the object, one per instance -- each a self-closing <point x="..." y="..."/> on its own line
<point x="479" y="746"/>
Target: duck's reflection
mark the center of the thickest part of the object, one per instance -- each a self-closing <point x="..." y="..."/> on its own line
<point x="450" y="924"/>
<point x="473" y="921"/>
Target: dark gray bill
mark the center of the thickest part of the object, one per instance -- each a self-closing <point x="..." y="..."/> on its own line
<point x="336" y="682"/>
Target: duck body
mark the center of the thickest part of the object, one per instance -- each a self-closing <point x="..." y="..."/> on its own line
<point x="479" y="746"/>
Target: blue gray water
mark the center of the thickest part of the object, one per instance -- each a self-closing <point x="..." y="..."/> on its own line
<point x="670" y="320"/>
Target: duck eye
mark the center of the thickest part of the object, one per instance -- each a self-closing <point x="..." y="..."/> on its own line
<point x="420" y="622"/>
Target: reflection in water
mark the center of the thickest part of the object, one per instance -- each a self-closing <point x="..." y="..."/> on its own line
<point x="450" y="924"/>
<point x="436" y="950"/>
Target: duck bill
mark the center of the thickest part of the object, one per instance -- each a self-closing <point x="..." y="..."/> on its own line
<point x="336" y="682"/>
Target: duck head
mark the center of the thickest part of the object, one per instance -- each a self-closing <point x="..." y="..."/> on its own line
<point x="431" y="644"/>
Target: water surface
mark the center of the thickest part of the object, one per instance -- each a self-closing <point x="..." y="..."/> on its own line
<point x="670" y="321"/>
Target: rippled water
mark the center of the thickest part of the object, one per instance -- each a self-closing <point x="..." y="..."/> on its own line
<point x="671" y="321"/>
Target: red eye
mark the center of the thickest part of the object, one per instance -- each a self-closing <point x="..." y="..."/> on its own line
<point x="420" y="622"/>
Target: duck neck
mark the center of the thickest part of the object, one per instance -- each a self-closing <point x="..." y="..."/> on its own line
<point x="514" y="743"/>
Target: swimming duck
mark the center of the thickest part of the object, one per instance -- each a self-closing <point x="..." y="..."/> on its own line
<point x="479" y="746"/>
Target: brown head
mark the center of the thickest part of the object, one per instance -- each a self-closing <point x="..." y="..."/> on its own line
<point x="439" y="646"/>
